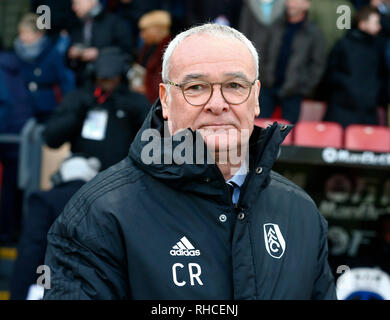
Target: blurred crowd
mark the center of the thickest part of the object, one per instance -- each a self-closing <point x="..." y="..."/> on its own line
<point x="91" y="78"/>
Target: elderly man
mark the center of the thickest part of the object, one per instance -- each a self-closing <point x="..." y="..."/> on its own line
<point x="157" y="227"/>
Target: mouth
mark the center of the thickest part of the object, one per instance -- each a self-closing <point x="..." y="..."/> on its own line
<point x="217" y="126"/>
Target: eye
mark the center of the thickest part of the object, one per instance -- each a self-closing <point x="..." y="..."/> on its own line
<point x="236" y="85"/>
<point x="196" y="87"/>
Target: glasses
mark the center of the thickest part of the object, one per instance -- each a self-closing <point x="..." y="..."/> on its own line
<point x="199" y="92"/>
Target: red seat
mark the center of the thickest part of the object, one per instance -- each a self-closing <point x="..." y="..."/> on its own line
<point x="265" y="122"/>
<point x="366" y="137"/>
<point x="318" y="134"/>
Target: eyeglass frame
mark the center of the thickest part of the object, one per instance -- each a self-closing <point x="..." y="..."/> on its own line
<point x="181" y="86"/>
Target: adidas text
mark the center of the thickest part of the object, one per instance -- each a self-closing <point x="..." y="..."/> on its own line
<point x="185" y="252"/>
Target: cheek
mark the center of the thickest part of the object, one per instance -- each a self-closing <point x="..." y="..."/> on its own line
<point x="247" y="116"/>
<point x="181" y="115"/>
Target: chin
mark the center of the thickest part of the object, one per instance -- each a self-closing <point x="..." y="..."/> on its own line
<point x="221" y="142"/>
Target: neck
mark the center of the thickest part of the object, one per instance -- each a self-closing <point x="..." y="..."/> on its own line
<point x="227" y="165"/>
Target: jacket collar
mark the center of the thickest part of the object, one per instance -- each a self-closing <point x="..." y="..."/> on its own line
<point x="359" y="35"/>
<point x="202" y="178"/>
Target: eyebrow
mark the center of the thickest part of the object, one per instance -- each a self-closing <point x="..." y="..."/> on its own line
<point x="238" y="74"/>
<point x="194" y="76"/>
<point x="197" y="76"/>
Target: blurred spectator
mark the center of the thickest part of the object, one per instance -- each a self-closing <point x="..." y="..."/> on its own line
<point x="132" y="10"/>
<point x="18" y="99"/>
<point x="43" y="67"/>
<point x="19" y="111"/>
<point x="99" y="120"/>
<point x="355" y="74"/>
<point x="256" y="18"/>
<point x="226" y="12"/>
<point x="42" y="209"/>
<point x="96" y="30"/>
<point x="61" y="13"/>
<point x="324" y="14"/>
<point x="11" y="11"/>
<point x="293" y="61"/>
<point x="155" y="33"/>
<point x="383" y="7"/>
<point x="62" y="20"/>
<point x="5" y="103"/>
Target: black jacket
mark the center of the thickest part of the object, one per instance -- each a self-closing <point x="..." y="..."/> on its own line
<point x="108" y="31"/>
<point x="126" y="113"/>
<point x="119" y="237"/>
<point x="355" y="79"/>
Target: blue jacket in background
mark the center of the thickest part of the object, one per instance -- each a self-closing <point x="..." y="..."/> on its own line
<point x="44" y="76"/>
<point x="20" y="109"/>
<point x="5" y="103"/>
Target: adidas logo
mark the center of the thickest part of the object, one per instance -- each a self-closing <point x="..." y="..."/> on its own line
<point x="184" y="248"/>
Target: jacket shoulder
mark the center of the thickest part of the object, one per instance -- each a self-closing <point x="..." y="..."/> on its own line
<point x="278" y="181"/>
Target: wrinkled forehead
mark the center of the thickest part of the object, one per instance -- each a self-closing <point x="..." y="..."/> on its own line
<point x="204" y="52"/>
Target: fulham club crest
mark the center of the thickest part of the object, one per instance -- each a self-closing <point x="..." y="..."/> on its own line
<point x="274" y="241"/>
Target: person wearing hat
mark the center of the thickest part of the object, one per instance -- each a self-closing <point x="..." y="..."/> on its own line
<point x="155" y="32"/>
<point x="99" y="120"/>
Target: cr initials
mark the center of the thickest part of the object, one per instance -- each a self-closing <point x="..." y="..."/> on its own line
<point x="194" y="271"/>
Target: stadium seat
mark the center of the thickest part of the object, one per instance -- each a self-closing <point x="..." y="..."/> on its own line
<point x="367" y="138"/>
<point x="318" y="134"/>
<point x="264" y="122"/>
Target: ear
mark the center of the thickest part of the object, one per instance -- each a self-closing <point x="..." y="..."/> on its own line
<point x="257" y="94"/>
<point x="164" y="96"/>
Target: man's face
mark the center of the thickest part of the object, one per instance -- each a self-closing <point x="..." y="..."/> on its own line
<point x="297" y="7"/>
<point x="213" y="59"/>
<point x="372" y="25"/>
<point x="28" y="36"/>
<point x="82" y="7"/>
<point x="151" y="35"/>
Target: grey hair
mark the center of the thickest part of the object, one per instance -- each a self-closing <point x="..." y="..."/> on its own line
<point x="211" y="29"/>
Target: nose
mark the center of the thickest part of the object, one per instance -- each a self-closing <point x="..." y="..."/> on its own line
<point x="217" y="103"/>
